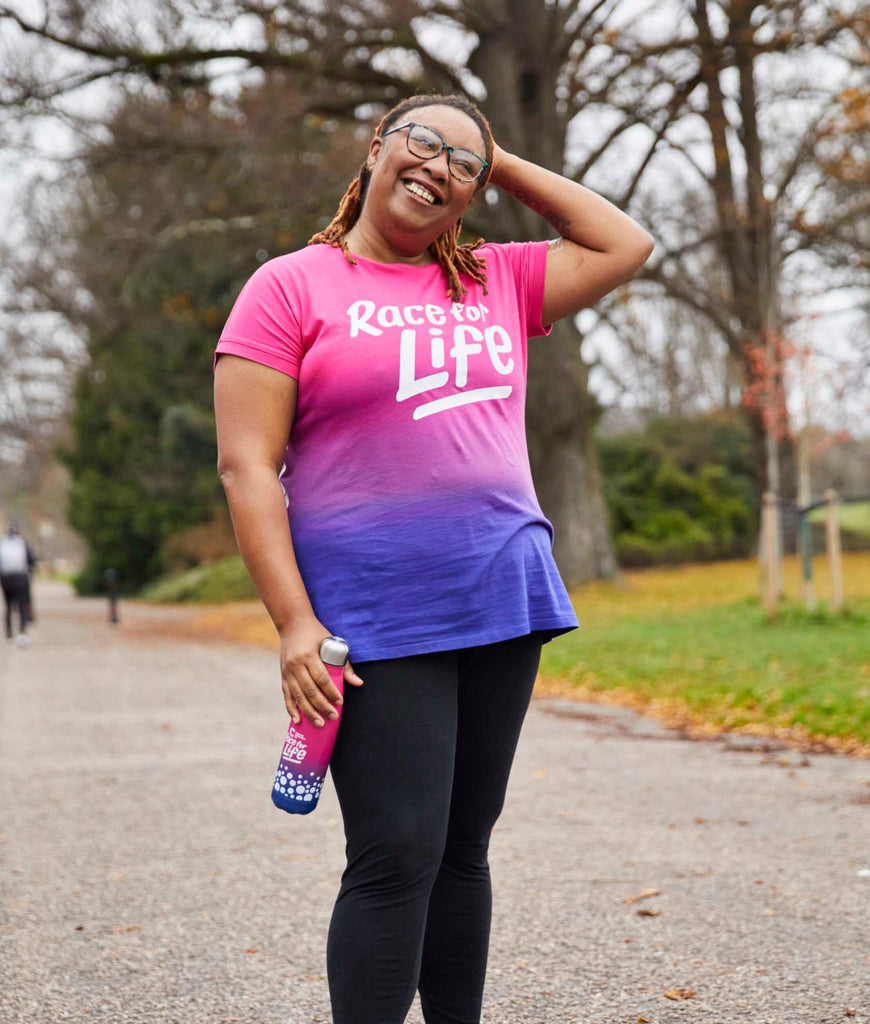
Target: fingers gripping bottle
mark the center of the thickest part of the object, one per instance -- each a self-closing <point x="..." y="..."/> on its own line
<point x="307" y="748"/>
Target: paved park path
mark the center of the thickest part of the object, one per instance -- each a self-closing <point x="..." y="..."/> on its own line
<point x="147" y="877"/>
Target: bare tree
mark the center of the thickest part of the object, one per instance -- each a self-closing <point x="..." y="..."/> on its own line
<point x="770" y="98"/>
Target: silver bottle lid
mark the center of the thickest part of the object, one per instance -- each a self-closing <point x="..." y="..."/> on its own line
<point x="334" y="651"/>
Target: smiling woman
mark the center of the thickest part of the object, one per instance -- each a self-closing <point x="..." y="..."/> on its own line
<point x="369" y="397"/>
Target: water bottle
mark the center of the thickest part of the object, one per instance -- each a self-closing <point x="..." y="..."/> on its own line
<point x="307" y="748"/>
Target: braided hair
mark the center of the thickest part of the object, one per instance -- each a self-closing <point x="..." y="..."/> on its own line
<point x="453" y="258"/>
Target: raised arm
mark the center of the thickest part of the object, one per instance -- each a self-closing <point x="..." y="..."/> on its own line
<point x="601" y="247"/>
<point x="254" y="409"/>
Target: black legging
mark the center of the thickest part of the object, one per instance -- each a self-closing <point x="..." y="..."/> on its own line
<point x="420" y="767"/>
<point x="15" y="593"/>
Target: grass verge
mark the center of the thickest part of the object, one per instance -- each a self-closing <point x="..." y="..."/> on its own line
<point x="804" y="678"/>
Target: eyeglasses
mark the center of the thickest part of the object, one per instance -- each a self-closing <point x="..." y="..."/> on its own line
<point x="426" y="143"/>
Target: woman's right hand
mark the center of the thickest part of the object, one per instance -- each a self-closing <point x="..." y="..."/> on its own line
<point x="305" y="680"/>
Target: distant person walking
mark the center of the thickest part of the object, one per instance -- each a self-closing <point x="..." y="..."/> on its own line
<point x="16" y="562"/>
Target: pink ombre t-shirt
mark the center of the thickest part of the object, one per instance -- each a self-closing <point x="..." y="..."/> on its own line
<point x="410" y="500"/>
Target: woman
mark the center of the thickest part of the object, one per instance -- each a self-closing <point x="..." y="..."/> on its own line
<point x="381" y="373"/>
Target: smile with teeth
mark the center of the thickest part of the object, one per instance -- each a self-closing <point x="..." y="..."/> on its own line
<point x="419" y="190"/>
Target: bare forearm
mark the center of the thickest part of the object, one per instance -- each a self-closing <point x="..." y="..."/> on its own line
<point x="576" y="212"/>
<point x="256" y="503"/>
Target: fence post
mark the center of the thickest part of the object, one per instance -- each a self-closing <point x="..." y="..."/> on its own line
<point x="835" y="554"/>
<point x="770" y="554"/>
<point x="806" y="541"/>
<point x="111" y="578"/>
<point x="805" y="532"/>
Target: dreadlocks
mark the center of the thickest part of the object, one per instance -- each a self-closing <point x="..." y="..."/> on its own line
<point x="453" y="258"/>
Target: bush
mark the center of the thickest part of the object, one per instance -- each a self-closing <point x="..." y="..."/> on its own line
<point x="224" y="580"/>
<point x="667" y="504"/>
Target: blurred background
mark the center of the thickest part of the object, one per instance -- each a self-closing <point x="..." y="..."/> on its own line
<point x="156" y="152"/>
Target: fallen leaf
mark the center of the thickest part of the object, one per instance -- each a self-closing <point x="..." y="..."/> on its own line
<point x="643" y="1020"/>
<point x="647" y="912"/>
<point x="679" y="993"/>
<point x="248" y="951"/>
<point x="132" y="928"/>
<point x="644" y="894"/>
<point x="700" y="821"/>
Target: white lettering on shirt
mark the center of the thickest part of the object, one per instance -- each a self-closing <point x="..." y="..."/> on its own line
<point x="389" y="316"/>
<point x="465" y="344"/>
<point x="360" y="312"/>
<point x="409" y="385"/>
<point x="496" y="348"/>
<point x="462" y="350"/>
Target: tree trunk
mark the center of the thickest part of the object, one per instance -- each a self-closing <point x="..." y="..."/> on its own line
<point x="517" y="61"/>
<point x="560" y="416"/>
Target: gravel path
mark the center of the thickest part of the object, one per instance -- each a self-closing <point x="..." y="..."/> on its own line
<point x="148" y="878"/>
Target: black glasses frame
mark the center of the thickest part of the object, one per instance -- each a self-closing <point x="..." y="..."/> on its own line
<point x="450" y="150"/>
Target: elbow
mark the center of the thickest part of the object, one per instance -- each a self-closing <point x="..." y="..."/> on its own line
<point x="226" y="478"/>
<point x="227" y="472"/>
<point x="640" y="253"/>
<point x="234" y="472"/>
<point x="645" y="248"/>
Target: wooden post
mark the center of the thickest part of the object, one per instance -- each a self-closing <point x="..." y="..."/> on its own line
<point x="806" y="545"/>
<point x="770" y="554"/>
<point x="835" y="554"/>
<point x="805" y="534"/>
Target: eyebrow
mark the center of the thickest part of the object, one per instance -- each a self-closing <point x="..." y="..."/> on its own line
<point x="466" y="149"/>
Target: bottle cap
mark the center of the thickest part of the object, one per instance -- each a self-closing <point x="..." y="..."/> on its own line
<point x="334" y="651"/>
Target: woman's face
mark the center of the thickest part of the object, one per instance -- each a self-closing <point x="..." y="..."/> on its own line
<point x="410" y="200"/>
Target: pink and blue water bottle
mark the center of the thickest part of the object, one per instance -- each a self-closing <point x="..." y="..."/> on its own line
<point x="307" y="748"/>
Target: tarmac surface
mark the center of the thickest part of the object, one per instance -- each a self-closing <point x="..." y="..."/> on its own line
<point x="638" y="876"/>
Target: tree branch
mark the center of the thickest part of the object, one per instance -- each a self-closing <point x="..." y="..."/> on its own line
<point x="684" y="293"/>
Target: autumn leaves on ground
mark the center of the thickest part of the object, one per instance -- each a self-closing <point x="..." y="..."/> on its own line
<point x="691" y="646"/>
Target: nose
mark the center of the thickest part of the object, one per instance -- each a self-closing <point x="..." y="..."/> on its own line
<point x="437" y="166"/>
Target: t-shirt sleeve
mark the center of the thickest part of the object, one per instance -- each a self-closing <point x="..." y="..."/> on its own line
<point x="263" y="325"/>
<point x="529" y="265"/>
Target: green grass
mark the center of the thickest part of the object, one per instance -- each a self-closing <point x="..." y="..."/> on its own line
<point x="224" y="580"/>
<point x="854" y="518"/>
<point x="728" y="667"/>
